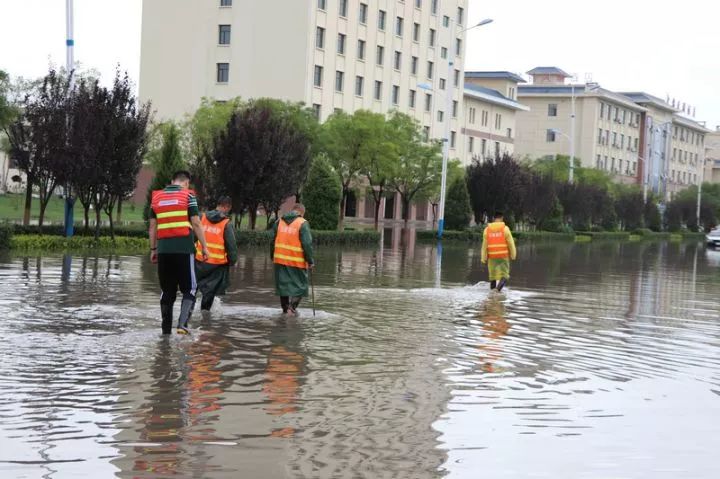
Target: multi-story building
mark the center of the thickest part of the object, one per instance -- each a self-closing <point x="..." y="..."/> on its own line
<point x="636" y="137"/>
<point x="378" y="55"/>
<point x="712" y="156"/>
<point x="489" y="108"/>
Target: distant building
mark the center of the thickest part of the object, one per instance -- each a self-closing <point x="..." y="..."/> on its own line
<point x="712" y="156"/>
<point x="634" y="136"/>
<point x="489" y="109"/>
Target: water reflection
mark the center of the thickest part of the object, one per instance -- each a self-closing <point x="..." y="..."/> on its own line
<point x="409" y="369"/>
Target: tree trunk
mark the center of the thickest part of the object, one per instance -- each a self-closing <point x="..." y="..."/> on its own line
<point x="378" y="201"/>
<point x="119" y="210"/>
<point x="343" y="203"/>
<point x="434" y="210"/>
<point x="112" y="225"/>
<point x="97" y="222"/>
<point x="28" y="200"/>
<point x="86" y="211"/>
<point x="41" y="218"/>
<point x="252" y="212"/>
<point x="405" y="208"/>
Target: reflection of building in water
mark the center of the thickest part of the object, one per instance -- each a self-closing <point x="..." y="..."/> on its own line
<point x="495" y="327"/>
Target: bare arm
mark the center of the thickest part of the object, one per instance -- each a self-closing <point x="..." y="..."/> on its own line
<point x="199" y="234"/>
<point x="152" y="233"/>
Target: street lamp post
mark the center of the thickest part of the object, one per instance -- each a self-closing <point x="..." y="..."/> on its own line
<point x="571" y="173"/>
<point x="450" y="82"/>
<point x="70" y="64"/>
<point x="699" y="193"/>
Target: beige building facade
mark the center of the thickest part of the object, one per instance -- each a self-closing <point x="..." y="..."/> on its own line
<point x="379" y="55"/>
<point x="635" y="137"/>
<point x="712" y="156"/>
<point x="489" y="109"/>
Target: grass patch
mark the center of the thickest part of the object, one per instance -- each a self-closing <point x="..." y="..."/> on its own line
<point x="12" y="208"/>
<point x="583" y="239"/>
<point x="43" y="243"/>
<point x="606" y="235"/>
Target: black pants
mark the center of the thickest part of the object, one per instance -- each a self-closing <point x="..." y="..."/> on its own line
<point x="289" y="302"/>
<point x="176" y="271"/>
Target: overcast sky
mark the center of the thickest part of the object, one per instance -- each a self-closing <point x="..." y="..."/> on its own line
<point x="663" y="47"/>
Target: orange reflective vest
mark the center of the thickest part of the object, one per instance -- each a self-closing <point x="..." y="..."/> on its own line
<point x="497" y="247"/>
<point x="215" y="238"/>
<point x="171" y="211"/>
<point x="288" y="248"/>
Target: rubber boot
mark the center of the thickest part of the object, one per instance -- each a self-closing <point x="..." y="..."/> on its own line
<point x="501" y="284"/>
<point x="186" y="310"/>
<point x="294" y="303"/>
<point x="493" y="284"/>
<point x="284" y="303"/>
<point x="166" y="310"/>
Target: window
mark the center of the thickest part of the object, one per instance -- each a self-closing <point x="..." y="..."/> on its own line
<point x="382" y="17"/>
<point x="398" y="60"/>
<point x="418" y="3"/>
<point x="428" y="101"/>
<point x="318" y="76"/>
<point x="605" y="163"/>
<point x="395" y="95"/>
<point x="426" y="133"/>
<point x="622" y="141"/>
<point x="430" y="68"/>
<point x="485" y="118"/>
<point x="432" y="37"/>
<point x="598" y="162"/>
<point x="361" y="50"/>
<point x="226" y="3"/>
<point x="434" y="6"/>
<point x="455" y="109"/>
<point x="399" y="23"/>
<point x="223" y="72"/>
<point x="443" y="53"/>
<point x="483" y="147"/>
<point x="339" y="81"/>
<point x="471" y="115"/>
<point x="460" y="16"/>
<point x="380" y="55"/>
<point x="446" y="21"/>
<point x="614" y="143"/>
<point x="674" y="155"/>
<point x="456" y="81"/>
<point x="416" y="32"/>
<point x="359" y="85"/>
<point x="442" y="83"/>
<point x="322" y="4"/>
<point x="320" y="37"/>
<point x="497" y="149"/>
<point x="343" y="8"/>
<point x="498" y="121"/>
<point x="602" y="115"/>
<point x="624" y="116"/>
<point x="453" y="136"/>
<point x="509" y="132"/>
<point x="440" y="116"/>
<point x="224" y="34"/>
<point x="458" y="46"/>
<point x="411" y="99"/>
<point x="341" y="43"/>
<point x="511" y="93"/>
<point x="550" y="136"/>
<point x="414" y="65"/>
<point x="471" y="144"/>
<point x="363" y="13"/>
<point x="600" y="136"/>
<point x="552" y="109"/>
<point x="316" y="110"/>
<point x="378" y="90"/>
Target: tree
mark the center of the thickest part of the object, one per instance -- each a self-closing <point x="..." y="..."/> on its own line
<point x="343" y="139"/>
<point x="417" y="165"/>
<point x="540" y="202"/>
<point x="455" y="170"/>
<point x="457" y="205"/>
<point x="165" y="156"/>
<point x="629" y="207"/>
<point x="495" y="184"/>
<point x="8" y="111"/>
<point x="652" y="218"/>
<point x="263" y="154"/>
<point x="321" y="195"/>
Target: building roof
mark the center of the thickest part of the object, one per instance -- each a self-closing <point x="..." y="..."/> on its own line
<point x="642" y="98"/>
<point x="581" y="90"/>
<point x="492" y="96"/>
<point x="548" y="71"/>
<point x="688" y="123"/>
<point x="498" y="74"/>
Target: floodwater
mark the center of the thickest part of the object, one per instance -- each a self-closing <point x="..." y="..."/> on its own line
<point x="600" y="361"/>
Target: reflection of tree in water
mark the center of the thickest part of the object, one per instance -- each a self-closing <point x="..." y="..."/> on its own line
<point x="495" y="327"/>
<point x="284" y="370"/>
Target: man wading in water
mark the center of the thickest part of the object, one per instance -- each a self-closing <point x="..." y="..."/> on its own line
<point x="498" y="248"/>
<point x="293" y="257"/>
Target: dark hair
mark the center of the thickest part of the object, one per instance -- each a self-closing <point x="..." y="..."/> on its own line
<point x="224" y="201"/>
<point x="498" y="214"/>
<point x="181" y="175"/>
<point x="299" y="207"/>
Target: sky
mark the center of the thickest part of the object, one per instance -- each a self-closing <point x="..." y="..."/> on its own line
<point x="663" y="47"/>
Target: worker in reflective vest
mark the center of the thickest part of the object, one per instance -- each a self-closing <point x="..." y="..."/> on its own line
<point x="293" y="256"/>
<point x="498" y="248"/>
<point x="173" y="219"/>
<point x="213" y="273"/>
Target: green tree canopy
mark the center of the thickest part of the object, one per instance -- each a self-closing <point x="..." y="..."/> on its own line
<point x="321" y="195"/>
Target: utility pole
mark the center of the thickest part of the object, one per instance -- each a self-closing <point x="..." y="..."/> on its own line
<point x="70" y="65"/>
<point x="571" y="173"/>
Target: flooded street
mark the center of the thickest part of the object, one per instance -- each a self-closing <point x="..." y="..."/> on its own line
<point x="600" y="361"/>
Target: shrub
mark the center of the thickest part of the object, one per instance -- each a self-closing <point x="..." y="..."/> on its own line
<point x="6" y="234"/>
<point x="352" y="237"/>
<point x="476" y="236"/>
<point x="78" y="243"/>
<point x="457" y="206"/>
<point x="321" y="194"/>
<point x="139" y="231"/>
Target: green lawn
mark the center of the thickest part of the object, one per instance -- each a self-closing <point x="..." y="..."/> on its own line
<point x="12" y="207"/>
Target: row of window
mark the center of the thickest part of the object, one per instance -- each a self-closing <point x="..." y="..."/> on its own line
<point x="618" y="140"/>
<point x="688" y="136"/>
<point x="684" y="178"/>
<point x="483" y="147"/>
<point x="363" y="10"/>
<point x="682" y="156"/>
<point x="616" y="165"/>
<point x="619" y="115"/>
<point x="484" y="119"/>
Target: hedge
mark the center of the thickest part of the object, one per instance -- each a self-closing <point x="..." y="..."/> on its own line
<point x="475" y="235"/>
<point x="350" y="237"/>
<point x="6" y="234"/>
<point x="25" y="242"/>
<point x="59" y="230"/>
<point x="606" y="235"/>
